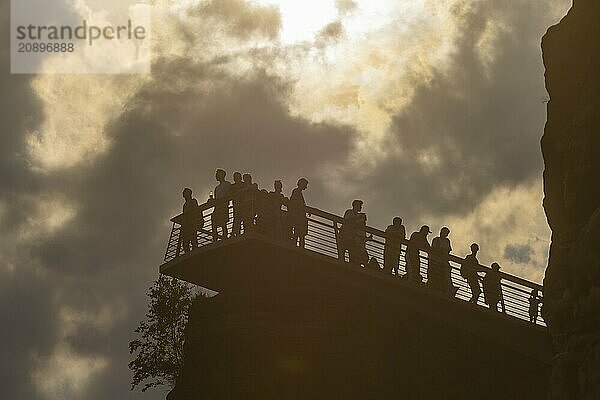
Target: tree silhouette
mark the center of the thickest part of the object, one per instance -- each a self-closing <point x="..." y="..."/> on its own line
<point x="159" y="346"/>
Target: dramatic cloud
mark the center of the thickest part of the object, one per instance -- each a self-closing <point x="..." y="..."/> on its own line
<point x="241" y="19"/>
<point x="519" y="253"/>
<point x="428" y="109"/>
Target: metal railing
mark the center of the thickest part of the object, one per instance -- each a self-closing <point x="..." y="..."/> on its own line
<point x="323" y="237"/>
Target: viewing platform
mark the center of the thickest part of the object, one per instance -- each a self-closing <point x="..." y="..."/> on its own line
<point x="292" y="322"/>
<point x="322" y="243"/>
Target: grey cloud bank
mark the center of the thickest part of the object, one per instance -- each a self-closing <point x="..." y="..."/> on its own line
<point x="481" y="128"/>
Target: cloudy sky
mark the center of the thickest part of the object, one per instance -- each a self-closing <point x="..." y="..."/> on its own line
<point x="428" y="109"/>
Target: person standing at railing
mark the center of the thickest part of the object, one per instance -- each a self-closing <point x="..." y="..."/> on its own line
<point x="394" y="235"/>
<point x="273" y="212"/>
<point x="468" y="270"/>
<point x="235" y="193"/>
<point x="297" y="213"/>
<point x="350" y="232"/>
<point x="360" y="242"/>
<point x="248" y="196"/>
<point x="189" y="222"/>
<point x="439" y="270"/>
<point x="492" y="288"/>
<point x="418" y="241"/>
<point x="534" y="305"/>
<point x="220" y="215"/>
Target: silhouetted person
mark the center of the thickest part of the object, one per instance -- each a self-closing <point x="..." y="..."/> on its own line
<point x="274" y="214"/>
<point x="492" y="288"/>
<point x="236" y="192"/>
<point x="418" y="241"/>
<point x="189" y="222"/>
<point x="439" y="271"/>
<point x="220" y="215"/>
<point x="350" y="233"/>
<point x="468" y="270"/>
<point x="394" y="235"/>
<point x="247" y="206"/>
<point x="534" y="305"/>
<point x="360" y="242"/>
<point x="297" y="213"/>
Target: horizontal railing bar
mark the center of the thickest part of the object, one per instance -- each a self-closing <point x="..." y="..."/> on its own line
<point x="316" y="244"/>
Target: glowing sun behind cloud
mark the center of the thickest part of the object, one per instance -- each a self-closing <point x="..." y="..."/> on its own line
<point x="301" y="20"/>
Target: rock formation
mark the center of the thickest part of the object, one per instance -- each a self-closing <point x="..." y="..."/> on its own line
<point x="571" y="148"/>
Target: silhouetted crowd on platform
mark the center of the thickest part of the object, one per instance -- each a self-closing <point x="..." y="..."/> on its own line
<point x="245" y="208"/>
<point x="252" y="209"/>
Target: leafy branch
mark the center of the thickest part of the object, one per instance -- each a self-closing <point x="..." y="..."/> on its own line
<point x="158" y="348"/>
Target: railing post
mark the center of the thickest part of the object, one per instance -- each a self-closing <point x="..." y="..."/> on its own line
<point x="173" y="244"/>
<point x="502" y="298"/>
<point x="179" y="239"/>
<point x="336" y="232"/>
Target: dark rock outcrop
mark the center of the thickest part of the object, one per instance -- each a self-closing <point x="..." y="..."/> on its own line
<point x="571" y="147"/>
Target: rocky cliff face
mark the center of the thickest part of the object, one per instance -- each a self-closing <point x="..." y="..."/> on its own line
<point x="571" y="147"/>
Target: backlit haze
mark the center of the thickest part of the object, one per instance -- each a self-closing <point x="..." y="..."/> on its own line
<point x="431" y="110"/>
